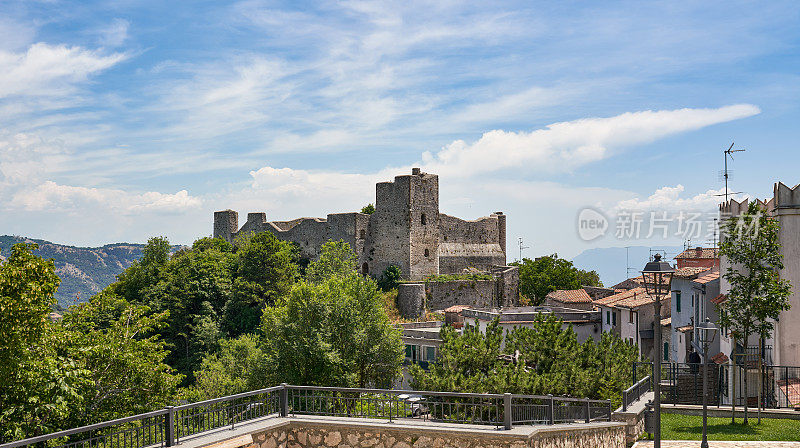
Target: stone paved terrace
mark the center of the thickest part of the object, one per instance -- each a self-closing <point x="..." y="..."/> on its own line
<point x="339" y="432"/>
<point x="716" y="444"/>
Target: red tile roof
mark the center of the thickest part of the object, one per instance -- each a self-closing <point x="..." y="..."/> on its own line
<point x="690" y="272"/>
<point x="720" y="299"/>
<point x="570" y="296"/>
<point x="627" y="299"/>
<point x="706" y="278"/>
<point x="666" y="322"/>
<point x="699" y="253"/>
<point x="456" y="308"/>
<point x="720" y="358"/>
<point x="685" y="328"/>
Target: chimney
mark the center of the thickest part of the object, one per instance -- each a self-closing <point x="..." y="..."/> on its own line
<point x="415" y="171"/>
<point x="698" y="251"/>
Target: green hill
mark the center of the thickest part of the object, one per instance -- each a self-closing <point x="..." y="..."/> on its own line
<point x="84" y="271"/>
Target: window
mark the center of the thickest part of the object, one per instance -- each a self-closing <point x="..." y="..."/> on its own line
<point x="427" y="253"/>
<point x="614" y="319"/>
<point x="422" y="219"/>
<point x="430" y="354"/>
<point x="363" y="234"/>
<point x="666" y="351"/>
<point x="678" y="301"/>
<point x="692" y="299"/>
<point x="364" y="269"/>
<point x="608" y="317"/>
<point x="630" y="316"/>
<point x="409" y="352"/>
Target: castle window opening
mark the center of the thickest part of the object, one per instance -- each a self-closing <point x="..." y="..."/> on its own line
<point x="363" y="234"/>
<point x="365" y="269"/>
<point x="427" y="253"/>
<point x="423" y="221"/>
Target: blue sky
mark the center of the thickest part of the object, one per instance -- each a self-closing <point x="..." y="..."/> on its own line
<point x="123" y="120"/>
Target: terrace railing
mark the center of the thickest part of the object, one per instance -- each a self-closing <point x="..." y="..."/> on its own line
<point x="636" y="392"/>
<point x="166" y="427"/>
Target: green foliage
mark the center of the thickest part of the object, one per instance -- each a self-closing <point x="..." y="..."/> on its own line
<point x="27" y="285"/>
<point x="539" y="277"/>
<point x="264" y="272"/>
<point x="143" y="273"/>
<point x="368" y="209"/>
<point x="551" y="362"/>
<point x="238" y="366"/>
<point x="332" y="332"/>
<point x="103" y="361"/>
<point x="337" y="260"/>
<point x="757" y="294"/>
<point x="390" y="278"/>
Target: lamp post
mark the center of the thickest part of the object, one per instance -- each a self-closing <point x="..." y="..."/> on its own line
<point x="707" y="332"/>
<point x="657" y="279"/>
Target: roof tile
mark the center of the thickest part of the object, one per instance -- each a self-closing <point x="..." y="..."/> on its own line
<point x="570" y="296"/>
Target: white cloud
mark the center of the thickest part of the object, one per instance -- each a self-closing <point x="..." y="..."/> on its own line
<point x="50" y="69"/>
<point x="50" y="196"/>
<point x="670" y="199"/>
<point x="115" y="33"/>
<point x="568" y="145"/>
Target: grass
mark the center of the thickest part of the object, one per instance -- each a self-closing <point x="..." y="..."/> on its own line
<point x="690" y="427"/>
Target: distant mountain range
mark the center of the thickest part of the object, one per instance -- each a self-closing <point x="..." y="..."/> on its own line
<point x="84" y="271"/>
<point x="611" y="263"/>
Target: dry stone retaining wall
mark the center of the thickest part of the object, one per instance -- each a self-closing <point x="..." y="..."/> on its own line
<point x="298" y="434"/>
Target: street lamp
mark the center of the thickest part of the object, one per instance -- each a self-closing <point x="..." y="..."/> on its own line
<point x="657" y="279"/>
<point x="707" y="331"/>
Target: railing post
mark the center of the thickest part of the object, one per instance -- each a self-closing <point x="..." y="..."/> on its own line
<point x="624" y="400"/>
<point x="507" y="411"/>
<point x="551" y="417"/>
<point x="169" y="430"/>
<point x="609" y="410"/>
<point x="284" y="400"/>
<point x="586" y="409"/>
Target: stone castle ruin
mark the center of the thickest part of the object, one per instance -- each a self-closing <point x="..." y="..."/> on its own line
<point x="406" y="230"/>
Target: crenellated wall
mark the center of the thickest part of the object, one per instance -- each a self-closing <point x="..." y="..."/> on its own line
<point x="406" y="230"/>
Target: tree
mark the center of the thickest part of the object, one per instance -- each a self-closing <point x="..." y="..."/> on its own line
<point x="238" y="366"/>
<point x="336" y="260"/>
<point x="550" y="362"/>
<point x="390" y="278"/>
<point x="144" y="272"/>
<point x="333" y="331"/>
<point x="539" y="277"/>
<point x="368" y="209"/>
<point x="27" y="286"/>
<point x="102" y="361"/>
<point x="265" y="270"/>
<point x="757" y="294"/>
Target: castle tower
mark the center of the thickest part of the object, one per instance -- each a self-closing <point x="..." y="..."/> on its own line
<point x="404" y="230"/>
<point x="226" y="224"/>
<point x="501" y="224"/>
<point x="787" y="332"/>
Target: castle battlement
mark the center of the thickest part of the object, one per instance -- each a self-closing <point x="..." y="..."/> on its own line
<point x="406" y="230"/>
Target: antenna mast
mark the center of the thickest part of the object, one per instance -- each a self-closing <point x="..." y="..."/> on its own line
<point x="521" y="248"/>
<point x="728" y="153"/>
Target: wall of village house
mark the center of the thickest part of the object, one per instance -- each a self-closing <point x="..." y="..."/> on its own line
<point x="787" y="334"/>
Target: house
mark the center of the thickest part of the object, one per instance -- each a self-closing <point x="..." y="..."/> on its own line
<point x="569" y="298"/>
<point x="586" y="324"/>
<point x="698" y="257"/>
<point x="422" y="341"/>
<point x="693" y="289"/>
<point x="630" y="315"/>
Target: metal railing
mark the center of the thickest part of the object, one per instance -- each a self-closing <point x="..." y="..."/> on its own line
<point x="635" y="392"/>
<point x="166" y="427"/>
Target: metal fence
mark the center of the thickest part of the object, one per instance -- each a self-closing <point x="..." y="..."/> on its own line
<point x="166" y="427"/>
<point x="635" y="392"/>
<point x="682" y="383"/>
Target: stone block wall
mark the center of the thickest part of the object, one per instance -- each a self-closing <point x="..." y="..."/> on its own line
<point x="319" y="435"/>
<point x="475" y="293"/>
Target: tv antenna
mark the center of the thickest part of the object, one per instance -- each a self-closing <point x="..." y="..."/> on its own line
<point x="729" y="153"/>
<point x="521" y="248"/>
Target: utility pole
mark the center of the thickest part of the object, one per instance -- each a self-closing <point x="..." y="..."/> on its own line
<point x="521" y="248"/>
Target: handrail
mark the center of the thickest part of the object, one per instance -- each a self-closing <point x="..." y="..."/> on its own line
<point x="635" y="392"/>
<point x="179" y="421"/>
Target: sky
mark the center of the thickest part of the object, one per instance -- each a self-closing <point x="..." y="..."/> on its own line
<point x="130" y="119"/>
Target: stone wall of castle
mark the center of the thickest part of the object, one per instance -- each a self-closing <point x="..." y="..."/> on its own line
<point x="406" y="230"/>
